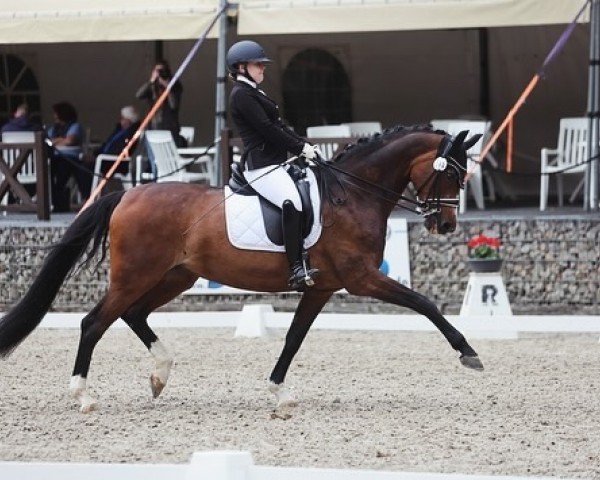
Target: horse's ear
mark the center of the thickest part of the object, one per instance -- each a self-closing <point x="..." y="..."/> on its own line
<point x="472" y="141"/>
<point x="457" y="143"/>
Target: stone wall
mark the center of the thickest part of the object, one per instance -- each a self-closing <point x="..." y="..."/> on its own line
<point x="551" y="266"/>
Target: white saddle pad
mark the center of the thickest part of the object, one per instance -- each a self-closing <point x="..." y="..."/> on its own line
<point x="246" y="227"/>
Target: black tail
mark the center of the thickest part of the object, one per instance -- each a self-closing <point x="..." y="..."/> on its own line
<point x="22" y="319"/>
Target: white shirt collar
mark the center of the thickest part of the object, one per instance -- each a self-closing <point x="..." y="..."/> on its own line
<point x="241" y="78"/>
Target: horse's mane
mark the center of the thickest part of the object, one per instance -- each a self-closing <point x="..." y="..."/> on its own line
<point x="367" y="145"/>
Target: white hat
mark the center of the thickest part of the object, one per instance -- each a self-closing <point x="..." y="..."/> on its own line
<point x="130" y="113"/>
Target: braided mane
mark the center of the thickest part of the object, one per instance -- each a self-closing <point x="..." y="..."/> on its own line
<point x="367" y="145"/>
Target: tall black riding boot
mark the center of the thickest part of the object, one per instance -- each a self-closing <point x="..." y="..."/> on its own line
<point x="301" y="273"/>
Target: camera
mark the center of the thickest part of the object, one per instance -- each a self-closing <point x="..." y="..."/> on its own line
<point x="163" y="73"/>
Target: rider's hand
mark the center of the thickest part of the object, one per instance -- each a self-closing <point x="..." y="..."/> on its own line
<point x="310" y="152"/>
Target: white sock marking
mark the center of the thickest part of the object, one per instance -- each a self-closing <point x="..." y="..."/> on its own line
<point x="283" y="394"/>
<point x="163" y="360"/>
<point x="77" y="387"/>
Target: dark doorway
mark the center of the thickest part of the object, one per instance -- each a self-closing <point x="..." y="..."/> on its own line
<point x="316" y="90"/>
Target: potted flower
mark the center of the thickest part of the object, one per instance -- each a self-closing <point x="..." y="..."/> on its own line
<point x="484" y="254"/>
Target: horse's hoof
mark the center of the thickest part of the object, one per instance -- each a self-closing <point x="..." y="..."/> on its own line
<point x="288" y="401"/>
<point x="88" y="406"/>
<point x="471" y="362"/>
<point x="157" y="385"/>
<point x="283" y="395"/>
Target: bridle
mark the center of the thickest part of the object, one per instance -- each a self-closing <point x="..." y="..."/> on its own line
<point x="445" y="163"/>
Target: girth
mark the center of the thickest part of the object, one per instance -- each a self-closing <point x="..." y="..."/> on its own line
<point x="272" y="214"/>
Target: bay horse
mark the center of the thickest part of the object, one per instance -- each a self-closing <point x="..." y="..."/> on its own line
<point x="158" y="248"/>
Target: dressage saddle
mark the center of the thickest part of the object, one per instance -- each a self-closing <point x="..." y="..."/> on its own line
<point x="272" y="214"/>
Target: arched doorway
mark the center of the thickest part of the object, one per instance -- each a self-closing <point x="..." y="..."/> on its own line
<point x="18" y="85"/>
<point x="316" y="90"/>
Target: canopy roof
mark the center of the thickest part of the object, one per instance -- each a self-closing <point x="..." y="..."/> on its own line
<point x="321" y="16"/>
<point x="35" y="21"/>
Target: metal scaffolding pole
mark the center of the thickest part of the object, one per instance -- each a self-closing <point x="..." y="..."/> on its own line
<point x="591" y="173"/>
<point x="220" y="112"/>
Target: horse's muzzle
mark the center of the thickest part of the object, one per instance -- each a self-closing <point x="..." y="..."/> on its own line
<point x="441" y="226"/>
<point x="447" y="227"/>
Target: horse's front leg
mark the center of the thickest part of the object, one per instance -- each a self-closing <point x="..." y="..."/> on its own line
<point x="310" y="305"/>
<point x="377" y="285"/>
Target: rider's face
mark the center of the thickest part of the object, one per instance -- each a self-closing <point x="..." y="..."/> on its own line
<point x="257" y="71"/>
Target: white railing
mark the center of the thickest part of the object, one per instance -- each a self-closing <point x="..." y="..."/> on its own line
<point x="219" y="465"/>
<point x="263" y="315"/>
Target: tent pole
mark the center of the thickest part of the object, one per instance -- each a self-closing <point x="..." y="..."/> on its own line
<point x="220" y="112"/>
<point x="596" y="111"/>
<point x="159" y="52"/>
<point x="484" y="73"/>
<point x="592" y="140"/>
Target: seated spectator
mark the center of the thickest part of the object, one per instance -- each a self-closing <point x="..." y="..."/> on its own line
<point x="66" y="135"/>
<point x="20" y="121"/>
<point x="119" y="138"/>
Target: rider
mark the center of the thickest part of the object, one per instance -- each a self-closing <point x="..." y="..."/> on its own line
<point x="266" y="143"/>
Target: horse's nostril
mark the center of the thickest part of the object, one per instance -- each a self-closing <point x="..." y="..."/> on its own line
<point x="447" y="227"/>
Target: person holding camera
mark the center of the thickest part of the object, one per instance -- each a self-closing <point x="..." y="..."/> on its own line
<point x="167" y="116"/>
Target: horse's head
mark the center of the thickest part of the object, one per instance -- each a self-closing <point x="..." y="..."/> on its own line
<point x="438" y="178"/>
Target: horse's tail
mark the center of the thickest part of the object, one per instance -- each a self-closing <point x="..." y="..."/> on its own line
<point x="26" y="315"/>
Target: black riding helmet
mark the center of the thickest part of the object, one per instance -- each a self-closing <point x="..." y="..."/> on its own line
<point x="243" y="52"/>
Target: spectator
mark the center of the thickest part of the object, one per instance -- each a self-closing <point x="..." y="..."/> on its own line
<point x="20" y="121"/>
<point x="167" y="116"/>
<point x="66" y="135"/>
<point x="128" y="124"/>
<point x="122" y="133"/>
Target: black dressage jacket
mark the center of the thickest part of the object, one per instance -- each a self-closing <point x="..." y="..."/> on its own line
<point x="266" y="138"/>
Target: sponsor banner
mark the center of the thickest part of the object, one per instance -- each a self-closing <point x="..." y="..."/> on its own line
<point x="395" y="263"/>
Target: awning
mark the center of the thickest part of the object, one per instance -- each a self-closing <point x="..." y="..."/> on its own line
<point x="35" y="21"/>
<point x="329" y="16"/>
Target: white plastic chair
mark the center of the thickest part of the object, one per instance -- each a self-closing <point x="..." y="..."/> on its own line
<point x="454" y="127"/>
<point x="570" y="152"/>
<point x="363" y="129"/>
<point x="169" y="163"/>
<point x="106" y="159"/>
<point x="188" y="133"/>
<point x="329" y="131"/>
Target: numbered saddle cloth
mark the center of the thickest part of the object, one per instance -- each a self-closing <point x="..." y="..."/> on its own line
<point x="254" y="223"/>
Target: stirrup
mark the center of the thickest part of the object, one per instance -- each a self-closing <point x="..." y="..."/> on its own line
<point x="302" y="276"/>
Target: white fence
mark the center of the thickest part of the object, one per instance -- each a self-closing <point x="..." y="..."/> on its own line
<point x="263" y="317"/>
<point x="219" y="465"/>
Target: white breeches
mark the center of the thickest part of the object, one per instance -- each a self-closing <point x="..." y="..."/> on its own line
<point x="276" y="186"/>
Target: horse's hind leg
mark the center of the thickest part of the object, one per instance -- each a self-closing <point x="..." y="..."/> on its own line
<point x="93" y="326"/>
<point x="89" y="337"/>
<point x="172" y="284"/>
<point x="310" y="306"/>
<point x="379" y="286"/>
